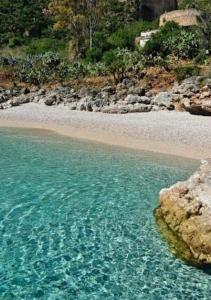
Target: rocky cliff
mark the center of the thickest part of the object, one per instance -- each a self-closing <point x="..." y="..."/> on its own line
<point x="186" y="210"/>
<point x="151" y="9"/>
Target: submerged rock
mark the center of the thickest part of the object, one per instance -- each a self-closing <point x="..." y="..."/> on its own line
<point x="185" y="209"/>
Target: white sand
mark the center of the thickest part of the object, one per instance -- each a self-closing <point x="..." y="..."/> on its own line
<point x="165" y="132"/>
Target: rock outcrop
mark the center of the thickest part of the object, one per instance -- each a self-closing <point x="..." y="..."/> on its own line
<point x="199" y="103"/>
<point x="192" y="95"/>
<point x="123" y="98"/>
<point x="186" y="210"/>
<point x="186" y="17"/>
<point x="151" y="9"/>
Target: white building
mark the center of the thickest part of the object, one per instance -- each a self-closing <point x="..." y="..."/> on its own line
<point x="145" y="37"/>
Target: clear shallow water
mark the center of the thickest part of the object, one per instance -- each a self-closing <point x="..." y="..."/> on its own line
<point x="76" y="222"/>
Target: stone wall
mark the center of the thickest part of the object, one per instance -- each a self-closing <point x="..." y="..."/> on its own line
<point x="187" y="17"/>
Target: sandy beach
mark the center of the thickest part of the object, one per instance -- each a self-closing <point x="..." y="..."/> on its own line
<point x="164" y="132"/>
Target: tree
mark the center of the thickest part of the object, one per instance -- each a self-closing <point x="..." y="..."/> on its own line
<point x="21" y="18"/>
<point x="118" y="62"/>
<point x="79" y="17"/>
<point x="68" y="16"/>
<point x="83" y="18"/>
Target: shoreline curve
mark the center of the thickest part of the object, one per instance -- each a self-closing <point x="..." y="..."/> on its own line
<point x="170" y="133"/>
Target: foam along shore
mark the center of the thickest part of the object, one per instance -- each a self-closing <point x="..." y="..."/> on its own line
<point x="165" y="132"/>
<point x="185" y="209"/>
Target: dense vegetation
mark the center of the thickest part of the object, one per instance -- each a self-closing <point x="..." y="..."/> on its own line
<point x="45" y="40"/>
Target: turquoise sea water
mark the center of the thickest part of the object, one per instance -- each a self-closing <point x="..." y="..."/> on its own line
<point x="76" y="222"/>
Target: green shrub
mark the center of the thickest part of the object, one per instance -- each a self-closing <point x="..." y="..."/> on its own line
<point x="120" y="39"/>
<point x="185" y="72"/>
<point x="100" y="41"/>
<point x="125" y="37"/>
<point x="97" y="69"/>
<point x="185" y="45"/>
<point x="118" y="62"/>
<point x="43" y="45"/>
<point x="154" y="47"/>
<point x="174" y="40"/>
<point x="48" y="67"/>
<point x="77" y="70"/>
<point x="38" y="69"/>
<point x="202" y="57"/>
<point x="62" y="72"/>
<point x="94" y="55"/>
<point x="15" y="41"/>
<point x="109" y="57"/>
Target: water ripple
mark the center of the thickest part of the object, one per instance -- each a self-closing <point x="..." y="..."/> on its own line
<point x="76" y="222"/>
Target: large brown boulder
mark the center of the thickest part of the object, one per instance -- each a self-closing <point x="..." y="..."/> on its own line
<point x="199" y="103"/>
<point x="186" y="210"/>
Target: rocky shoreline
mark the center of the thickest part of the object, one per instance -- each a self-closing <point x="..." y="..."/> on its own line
<point x="184" y="216"/>
<point x="192" y="95"/>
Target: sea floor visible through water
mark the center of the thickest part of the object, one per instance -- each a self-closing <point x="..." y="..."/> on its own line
<point x="76" y="222"/>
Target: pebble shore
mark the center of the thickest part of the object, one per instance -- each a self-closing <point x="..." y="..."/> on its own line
<point x="168" y="132"/>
